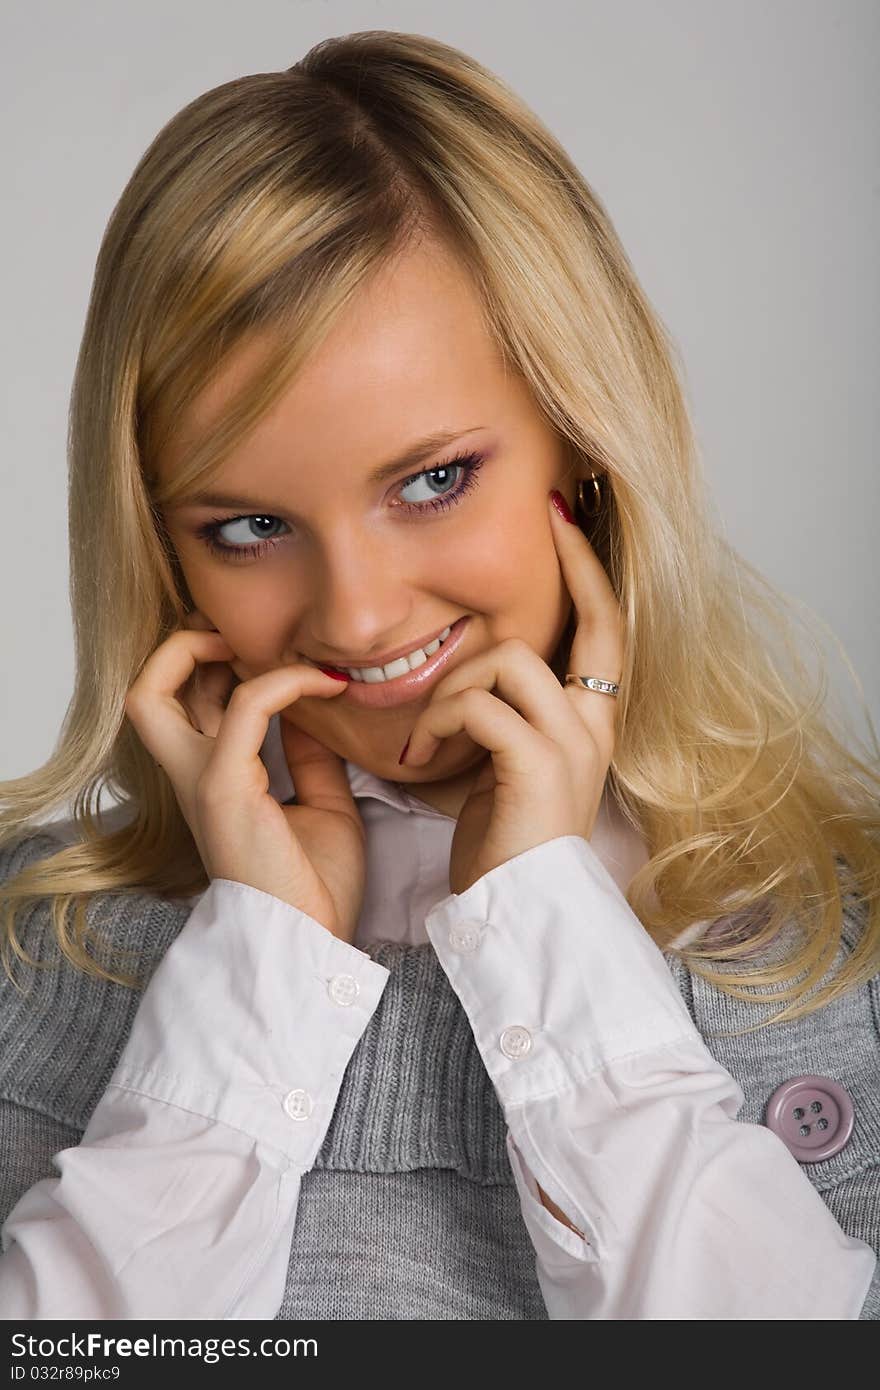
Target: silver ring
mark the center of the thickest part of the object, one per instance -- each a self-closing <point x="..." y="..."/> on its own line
<point x="594" y="683"/>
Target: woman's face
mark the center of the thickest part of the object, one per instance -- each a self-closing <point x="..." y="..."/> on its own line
<point x="349" y="572"/>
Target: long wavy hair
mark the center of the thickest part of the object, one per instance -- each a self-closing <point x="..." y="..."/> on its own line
<point x="265" y="204"/>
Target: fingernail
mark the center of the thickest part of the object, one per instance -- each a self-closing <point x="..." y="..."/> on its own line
<point x="561" y="506"/>
<point x="335" y="674"/>
<point x="403" y="754"/>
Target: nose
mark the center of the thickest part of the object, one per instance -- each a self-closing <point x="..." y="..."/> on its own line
<point x="361" y="601"/>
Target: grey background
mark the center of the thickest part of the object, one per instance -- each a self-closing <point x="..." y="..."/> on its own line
<point x="734" y="145"/>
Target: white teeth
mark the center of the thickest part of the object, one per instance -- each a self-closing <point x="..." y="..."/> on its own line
<point x="375" y="675"/>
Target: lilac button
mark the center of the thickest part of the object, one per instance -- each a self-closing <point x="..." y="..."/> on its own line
<point x="813" y="1115"/>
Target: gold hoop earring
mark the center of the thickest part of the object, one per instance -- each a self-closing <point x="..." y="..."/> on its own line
<point x="596" y="508"/>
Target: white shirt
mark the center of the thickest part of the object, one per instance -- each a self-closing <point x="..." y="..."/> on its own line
<point x="181" y="1199"/>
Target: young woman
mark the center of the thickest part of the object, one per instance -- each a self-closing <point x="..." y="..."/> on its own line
<point x="433" y="806"/>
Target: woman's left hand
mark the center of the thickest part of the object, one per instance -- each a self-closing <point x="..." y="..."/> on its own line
<point x="551" y="745"/>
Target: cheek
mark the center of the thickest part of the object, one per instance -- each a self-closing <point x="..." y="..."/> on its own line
<point x="481" y="569"/>
<point x="527" y="587"/>
<point x="252" y="616"/>
<point x="512" y="562"/>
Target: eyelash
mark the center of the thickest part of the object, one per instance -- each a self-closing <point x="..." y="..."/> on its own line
<point x="469" y="463"/>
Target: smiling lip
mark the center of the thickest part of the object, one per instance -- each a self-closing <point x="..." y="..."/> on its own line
<point x="410" y="686"/>
<point x="387" y="658"/>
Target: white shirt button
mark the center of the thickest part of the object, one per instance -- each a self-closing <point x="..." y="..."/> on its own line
<point x="298" y="1104"/>
<point x="515" y="1041"/>
<point x="343" y="989"/>
<point x="464" y="937"/>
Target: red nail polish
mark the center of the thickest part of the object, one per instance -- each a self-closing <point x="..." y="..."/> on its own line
<point x="561" y="506"/>
<point x="403" y="754"/>
<point x="337" y="676"/>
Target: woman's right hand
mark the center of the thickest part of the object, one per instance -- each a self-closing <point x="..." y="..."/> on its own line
<point x="311" y="854"/>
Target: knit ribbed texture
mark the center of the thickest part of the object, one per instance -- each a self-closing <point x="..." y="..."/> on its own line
<point x="415" y="1093"/>
<point x="841" y="1042"/>
<point x="410" y="1210"/>
<point x="58" y="1047"/>
<point x="426" y="1244"/>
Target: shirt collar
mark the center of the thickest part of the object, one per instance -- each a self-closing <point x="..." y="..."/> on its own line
<point x="394" y="794"/>
<point x="362" y="782"/>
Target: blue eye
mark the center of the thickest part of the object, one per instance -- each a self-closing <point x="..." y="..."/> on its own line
<point x="463" y="470"/>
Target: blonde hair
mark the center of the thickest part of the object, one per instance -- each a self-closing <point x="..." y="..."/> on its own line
<point x="264" y="205"/>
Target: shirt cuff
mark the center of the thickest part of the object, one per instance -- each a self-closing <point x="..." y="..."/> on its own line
<point x="251" y="1018"/>
<point x="556" y="973"/>
<point x="548" y="1234"/>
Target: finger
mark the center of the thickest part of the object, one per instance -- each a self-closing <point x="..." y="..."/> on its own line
<point x="196" y="620"/>
<point x="597" y="647"/>
<point x="518" y="751"/>
<point x="235" y="761"/>
<point x="318" y="774"/>
<point x="153" y="703"/>
<point x="515" y="672"/>
<point x="521" y="759"/>
<point x="207" y="696"/>
<point x="212" y="684"/>
<point x="600" y="620"/>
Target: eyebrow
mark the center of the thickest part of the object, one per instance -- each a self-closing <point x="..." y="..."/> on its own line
<point x="416" y="453"/>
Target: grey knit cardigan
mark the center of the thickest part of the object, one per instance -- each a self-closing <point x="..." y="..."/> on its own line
<point x="410" y="1210"/>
